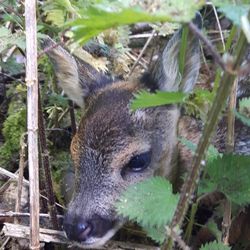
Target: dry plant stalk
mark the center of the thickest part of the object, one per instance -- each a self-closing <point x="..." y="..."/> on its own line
<point x="54" y="236"/>
<point x="32" y="119"/>
<point x="20" y="175"/>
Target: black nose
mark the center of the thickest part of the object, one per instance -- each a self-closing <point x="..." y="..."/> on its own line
<point x="79" y="229"/>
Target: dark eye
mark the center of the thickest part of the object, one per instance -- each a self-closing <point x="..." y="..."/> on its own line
<point x="139" y="162"/>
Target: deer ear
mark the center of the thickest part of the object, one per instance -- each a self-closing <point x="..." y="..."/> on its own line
<point x="77" y="78"/>
<point x="165" y="74"/>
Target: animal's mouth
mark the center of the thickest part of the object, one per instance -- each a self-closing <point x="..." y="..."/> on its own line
<point x="93" y="242"/>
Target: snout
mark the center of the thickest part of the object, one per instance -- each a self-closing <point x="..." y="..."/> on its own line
<point x="88" y="231"/>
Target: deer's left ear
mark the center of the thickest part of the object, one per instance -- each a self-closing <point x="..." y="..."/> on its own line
<point x="165" y="74"/>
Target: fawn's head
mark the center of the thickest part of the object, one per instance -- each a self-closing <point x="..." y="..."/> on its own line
<point x="115" y="147"/>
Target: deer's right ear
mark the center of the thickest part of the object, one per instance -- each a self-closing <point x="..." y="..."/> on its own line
<point x="76" y="77"/>
<point x="165" y="74"/>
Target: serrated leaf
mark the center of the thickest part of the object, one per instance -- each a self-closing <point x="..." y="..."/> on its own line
<point x="145" y="99"/>
<point x="4" y="32"/>
<point x="56" y="17"/>
<point x="234" y="12"/>
<point x="212" y="152"/>
<point x="151" y="203"/>
<point x="229" y="174"/>
<point x="96" y="19"/>
<point x="244" y="106"/>
<point x="59" y="100"/>
<point x="213" y="228"/>
<point x="158" y="234"/>
<point x="215" y="246"/>
<point x="243" y="118"/>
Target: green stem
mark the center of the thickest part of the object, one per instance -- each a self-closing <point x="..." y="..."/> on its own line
<point x="183" y="48"/>
<point x="227" y="47"/>
<point x="212" y="120"/>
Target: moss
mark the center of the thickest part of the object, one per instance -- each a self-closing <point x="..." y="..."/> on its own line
<point x="13" y="128"/>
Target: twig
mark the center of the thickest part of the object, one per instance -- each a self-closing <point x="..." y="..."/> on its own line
<point x="5" y="243"/>
<point x="177" y="238"/>
<point x="25" y="182"/>
<point x="209" y="45"/>
<point x="142" y="52"/>
<point x="49" y="48"/>
<point x="32" y="119"/>
<point x="212" y="119"/>
<point x="18" y="214"/>
<point x="46" y="167"/>
<point x="72" y="117"/>
<point x="231" y="118"/>
<point x="23" y="146"/>
<point x="54" y="236"/>
<point x="219" y="26"/>
<point x="226" y="223"/>
<point x="134" y="59"/>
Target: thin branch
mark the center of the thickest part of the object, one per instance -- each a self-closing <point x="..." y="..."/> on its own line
<point x="72" y="117"/>
<point x="46" y="167"/>
<point x="54" y="236"/>
<point x="23" y="146"/>
<point x="226" y="223"/>
<point x="25" y="182"/>
<point x="212" y="120"/>
<point x="18" y="214"/>
<point x="176" y="237"/>
<point x="231" y="118"/>
<point x="209" y="45"/>
<point x="142" y="52"/>
<point x="32" y="119"/>
<point x="219" y="26"/>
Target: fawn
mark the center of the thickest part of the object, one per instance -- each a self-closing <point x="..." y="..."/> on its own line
<point x="114" y="147"/>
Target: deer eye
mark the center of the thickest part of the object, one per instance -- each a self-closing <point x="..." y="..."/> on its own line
<point x="139" y="162"/>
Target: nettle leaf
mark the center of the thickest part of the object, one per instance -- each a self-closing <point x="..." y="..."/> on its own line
<point x="96" y="18"/>
<point x="229" y="174"/>
<point x="212" y="152"/>
<point x="158" y="234"/>
<point x="235" y="12"/>
<point x="244" y="106"/>
<point x="7" y="39"/>
<point x="59" y="100"/>
<point x="244" y="111"/>
<point x="243" y="118"/>
<point x="150" y="203"/>
<point x="215" y="246"/>
<point x="145" y="99"/>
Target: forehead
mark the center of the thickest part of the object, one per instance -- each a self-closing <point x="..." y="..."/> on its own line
<point x="107" y="120"/>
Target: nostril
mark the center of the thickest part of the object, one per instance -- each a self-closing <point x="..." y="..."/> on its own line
<point x="83" y="230"/>
<point x="77" y="228"/>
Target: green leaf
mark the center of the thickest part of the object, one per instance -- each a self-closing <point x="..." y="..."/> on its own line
<point x="212" y="152"/>
<point x="243" y="118"/>
<point x="58" y="100"/>
<point x="97" y="18"/>
<point x="244" y="106"/>
<point x="145" y="99"/>
<point x="158" y="234"/>
<point x="215" y="246"/>
<point x="229" y="174"/>
<point x="213" y="228"/>
<point x="11" y="66"/>
<point x="235" y="12"/>
<point x="244" y="111"/>
<point x="151" y="203"/>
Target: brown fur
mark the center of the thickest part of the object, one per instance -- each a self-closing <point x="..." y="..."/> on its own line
<point x="110" y="136"/>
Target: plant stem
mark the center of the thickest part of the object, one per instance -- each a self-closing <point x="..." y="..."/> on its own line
<point x="212" y="120"/>
<point x="32" y="115"/>
<point x="47" y="169"/>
